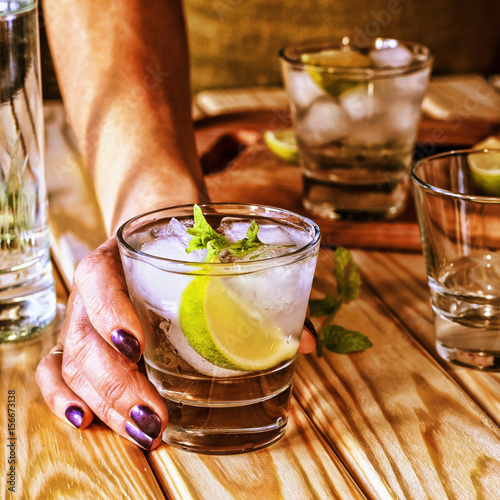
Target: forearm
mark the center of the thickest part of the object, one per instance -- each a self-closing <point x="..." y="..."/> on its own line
<point x="123" y="70"/>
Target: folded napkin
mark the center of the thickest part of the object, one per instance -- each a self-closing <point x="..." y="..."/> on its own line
<point x="462" y="96"/>
<point x="218" y="102"/>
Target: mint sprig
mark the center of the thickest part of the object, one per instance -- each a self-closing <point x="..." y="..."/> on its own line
<point x="336" y="338"/>
<point x="204" y="236"/>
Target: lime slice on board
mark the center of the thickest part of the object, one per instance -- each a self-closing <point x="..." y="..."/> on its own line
<point x="320" y="68"/>
<point x="283" y="144"/>
<point x="228" y="331"/>
<point x="485" y="172"/>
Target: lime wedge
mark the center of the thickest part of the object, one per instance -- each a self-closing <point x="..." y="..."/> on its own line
<point x="488" y="143"/>
<point x="228" y="331"/>
<point x="282" y="143"/>
<point x="485" y="172"/>
<point x="320" y="67"/>
<point x="485" y="168"/>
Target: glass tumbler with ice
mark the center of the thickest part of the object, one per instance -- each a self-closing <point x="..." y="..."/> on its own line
<point x="356" y="109"/>
<point x="221" y="291"/>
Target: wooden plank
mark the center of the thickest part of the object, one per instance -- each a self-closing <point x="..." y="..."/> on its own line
<point x="401" y="280"/>
<point x="52" y="459"/>
<point x="400" y="424"/>
<point x="298" y="466"/>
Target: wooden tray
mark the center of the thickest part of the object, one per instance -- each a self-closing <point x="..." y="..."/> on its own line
<point x="240" y="168"/>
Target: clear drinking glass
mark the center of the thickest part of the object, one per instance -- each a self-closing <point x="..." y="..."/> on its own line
<point x="457" y="196"/>
<point x="27" y="297"/>
<point x="221" y="336"/>
<point x="356" y="110"/>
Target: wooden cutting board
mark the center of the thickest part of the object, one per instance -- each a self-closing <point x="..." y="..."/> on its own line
<point x="240" y="168"/>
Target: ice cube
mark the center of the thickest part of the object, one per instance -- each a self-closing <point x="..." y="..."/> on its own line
<point x="171" y="243"/>
<point x="302" y="89"/>
<point x="369" y="135"/>
<point x="174" y="228"/>
<point x="278" y="292"/>
<point x="360" y="102"/>
<point x="233" y="228"/>
<point x="325" y="122"/>
<point x="176" y="337"/>
<point x="391" y="57"/>
<point x="272" y="234"/>
<point x="281" y="239"/>
<point x="300" y="237"/>
<point x="415" y="83"/>
<point x="402" y="117"/>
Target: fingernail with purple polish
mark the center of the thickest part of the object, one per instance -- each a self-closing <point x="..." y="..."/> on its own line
<point x="309" y="325"/>
<point x="127" y="344"/>
<point x="138" y="436"/>
<point x="147" y="420"/>
<point x="75" y="415"/>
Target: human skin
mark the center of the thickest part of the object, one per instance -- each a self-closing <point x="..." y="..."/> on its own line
<point x="123" y="72"/>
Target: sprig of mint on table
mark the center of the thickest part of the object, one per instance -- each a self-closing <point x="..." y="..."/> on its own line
<point x="336" y="338"/>
<point x="205" y="237"/>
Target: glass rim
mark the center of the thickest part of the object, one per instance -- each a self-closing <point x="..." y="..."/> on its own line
<point x="426" y="186"/>
<point x="368" y="72"/>
<point x="22" y="7"/>
<point x="293" y="256"/>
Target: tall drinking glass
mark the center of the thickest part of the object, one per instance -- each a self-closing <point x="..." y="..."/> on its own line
<point x="27" y="298"/>
<point x="221" y="336"/>
<point x="356" y="109"/>
<point x="458" y="203"/>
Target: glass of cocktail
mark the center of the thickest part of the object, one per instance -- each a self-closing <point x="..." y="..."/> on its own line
<point x="356" y="109"/>
<point x="221" y="291"/>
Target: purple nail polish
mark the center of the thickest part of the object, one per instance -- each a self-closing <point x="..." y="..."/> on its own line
<point x="75" y="415"/>
<point x="138" y="436"/>
<point x="147" y="420"/>
<point x="127" y="344"/>
<point x="309" y="325"/>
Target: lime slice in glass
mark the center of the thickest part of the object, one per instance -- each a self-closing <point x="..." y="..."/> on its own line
<point x="282" y="143"/>
<point x="228" y="331"/>
<point x="485" y="172"/>
<point x="321" y="68"/>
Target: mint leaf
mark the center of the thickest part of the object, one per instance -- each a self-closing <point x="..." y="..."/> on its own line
<point x="248" y="244"/>
<point x="340" y="340"/>
<point x="323" y="307"/>
<point x="346" y="274"/>
<point x="204" y="236"/>
<point x="337" y="338"/>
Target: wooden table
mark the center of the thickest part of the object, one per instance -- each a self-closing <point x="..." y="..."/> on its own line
<point x="392" y="422"/>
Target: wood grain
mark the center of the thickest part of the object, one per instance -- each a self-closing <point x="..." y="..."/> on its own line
<point x="401" y="425"/>
<point x="393" y="422"/>
<point x="53" y="460"/>
<point x="385" y="273"/>
<point x="300" y="466"/>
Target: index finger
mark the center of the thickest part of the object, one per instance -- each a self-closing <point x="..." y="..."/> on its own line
<point x="99" y="279"/>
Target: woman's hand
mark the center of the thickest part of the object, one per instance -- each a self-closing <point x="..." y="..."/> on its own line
<point x="102" y="341"/>
<point x="93" y="368"/>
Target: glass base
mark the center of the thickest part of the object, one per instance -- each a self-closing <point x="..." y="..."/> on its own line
<point x="327" y="210"/>
<point x="26" y="310"/>
<point x="479" y="360"/>
<point x="218" y="428"/>
<point x="222" y="442"/>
